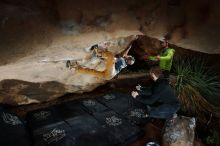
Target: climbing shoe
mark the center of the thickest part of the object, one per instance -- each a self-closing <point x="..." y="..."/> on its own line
<point x="68" y="64"/>
<point x="94" y="47"/>
<point x="73" y="64"/>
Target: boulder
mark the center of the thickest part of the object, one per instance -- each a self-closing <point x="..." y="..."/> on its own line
<point x="44" y="76"/>
<point x="179" y="132"/>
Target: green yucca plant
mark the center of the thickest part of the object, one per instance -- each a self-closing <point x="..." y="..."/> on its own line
<point x="197" y="86"/>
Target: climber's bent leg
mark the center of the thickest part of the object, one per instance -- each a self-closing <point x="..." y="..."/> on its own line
<point x="107" y="73"/>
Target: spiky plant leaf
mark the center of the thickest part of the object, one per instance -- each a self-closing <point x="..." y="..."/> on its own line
<point x="197" y="85"/>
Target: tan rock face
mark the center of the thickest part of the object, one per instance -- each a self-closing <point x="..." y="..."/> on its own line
<point x="40" y="78"/>
<point x="188" y="24"/>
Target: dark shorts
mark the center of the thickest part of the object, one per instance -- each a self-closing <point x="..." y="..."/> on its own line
<point x="163" y="111"/>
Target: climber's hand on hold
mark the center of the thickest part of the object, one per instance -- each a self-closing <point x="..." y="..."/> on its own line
<point x="134" y="94"/>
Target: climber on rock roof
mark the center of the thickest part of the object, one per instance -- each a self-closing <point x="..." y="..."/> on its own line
<point x="113" y="64"/>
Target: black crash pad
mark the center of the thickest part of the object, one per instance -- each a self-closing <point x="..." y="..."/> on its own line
<point x="85" y="122"/>
<point x="13" y="130"/>
<point x="70" y="109"/>
<point x="88" y="131"/>
<point x="123" y="131"/>
<point x="43" y="117"/>
<point x="125" y="105"/>
<point x="73" y="127"/>
<point x="93" y="106"/>
<point x="100" y="137"/>
<point x="57" y="134"/>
